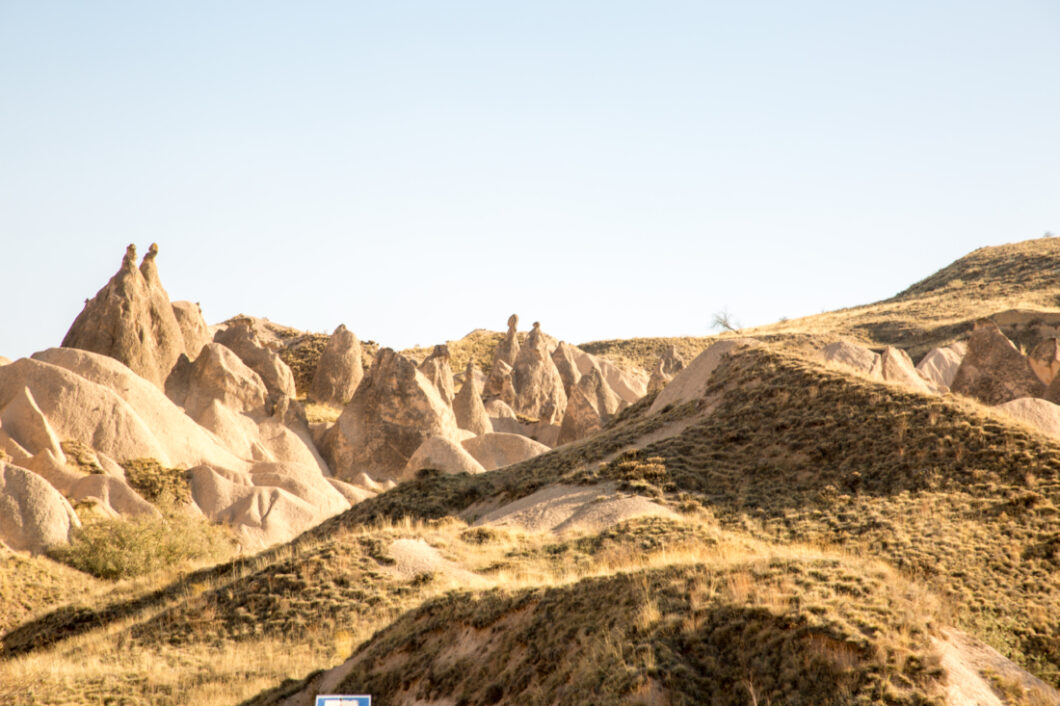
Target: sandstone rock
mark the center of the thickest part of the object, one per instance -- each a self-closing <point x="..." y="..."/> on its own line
<point x="853" y="356"/>
<point x="46" y="465"/>
<point x="4" y="361"/>
<point x="217" y="374"/>
<point x="241" y="338"/>
<point x="352" y="493"/>
<point x="538" y="386"/>
<point x="260" y="516"/>
<point x="672" y="361"/>
<point x="302" y="480"/>
<point x="98" y="401"/>
<point x="468" y="408"/>
<point x="591" y="405"/>
<point x="499" y="384"/>
<point x="339" y="370"/>
<point x="896" y="366"/>
<point x="508" y="349"/>
<point x="940" y="365"/>
<point x="659" y="379"/>
<point x="566" y="359"/>
<point x="1039" y="413"/>
<point x="394" y="410"/>
<point x="573" y="362"/>
<point x="113" y="494"/>
<point x="692" y="382"/>
<point x="193" y="327"/>
<point x="1045" y="360"/>
<point x="993" y="370"/>
<point x="33" y="515"/>
<point x="436" y="368"/>
<point x="23" y="422"/>
<point x="497" y="450"/>
<point x="132" y="321"/>
<point x="443" y="455"/>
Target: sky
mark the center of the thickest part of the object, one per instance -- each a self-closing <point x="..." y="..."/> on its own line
<point x="613" y="169"/>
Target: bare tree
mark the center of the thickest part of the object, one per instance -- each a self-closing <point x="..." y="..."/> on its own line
<point x="724" y="320"/>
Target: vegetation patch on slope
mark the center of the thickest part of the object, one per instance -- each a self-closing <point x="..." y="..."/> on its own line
<point x="783" y="630"/>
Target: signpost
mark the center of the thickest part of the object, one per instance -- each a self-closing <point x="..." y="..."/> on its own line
<point x="343" y="700"/>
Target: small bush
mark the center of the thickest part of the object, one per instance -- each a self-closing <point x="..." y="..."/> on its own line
<point x="159" y="485"/>
<point x="123" y="548"/>
<point x="82" y="456"/>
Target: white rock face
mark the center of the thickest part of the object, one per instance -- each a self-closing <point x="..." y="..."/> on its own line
<point x="853" y="356"/>
<point x="896" y="366"/>
<point x="497" y="450"/>
<point x="33" y="515"/>
<point x="96" y="400"/>
<point x="241" y="337"/>
<point x="940" y="365"/>
<point x="192" y="326"/>
<point x="339" y="371"/>
<point x="443" y="455"/>
<point x="691" y="383"/>
<point x="1039" y="413"/>
<point x="470" y="413"/>
<point x="131" y="320"/>
<point x="395" y="409"/>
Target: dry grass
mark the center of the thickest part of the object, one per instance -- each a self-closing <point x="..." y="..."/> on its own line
<point x="933" y="312"/>
<point x="123" y="548"/>
<point x="156" y="483"/>
<point x="316" y="412"/>
<point x="215" y="636"/>
<point x="477" y="347"/>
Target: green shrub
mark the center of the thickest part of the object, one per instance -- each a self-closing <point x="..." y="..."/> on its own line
<point x="123" y="548"/>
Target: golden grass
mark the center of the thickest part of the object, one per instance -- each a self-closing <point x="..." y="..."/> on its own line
<point x="217" y="639"/>
<point x="316" y="412"/>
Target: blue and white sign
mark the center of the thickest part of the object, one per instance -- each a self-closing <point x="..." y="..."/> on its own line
<point x="344" y="700"/>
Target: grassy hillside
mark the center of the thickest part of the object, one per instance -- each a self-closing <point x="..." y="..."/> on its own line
<point x="963" y="499"/>
<point x="798" y="628"/>
<point x="935" y="311"/>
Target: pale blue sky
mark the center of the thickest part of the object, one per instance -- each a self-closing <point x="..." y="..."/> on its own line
<point x="419" y="169"/>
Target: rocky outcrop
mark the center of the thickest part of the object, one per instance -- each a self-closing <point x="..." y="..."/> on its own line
<point x="659" y="379"/>
<point x="395" y="409"/>
<point x="339" y="370"/>
<point x="572" y="362"/>
<point x="193" y="327"/>
<point x="692" y="382"/>
<point x="499" y="384"/>
<point x="436" y="368"/>
<point x="1045" y="360"/>
<point x="241" y="338"/>
<point x="994" y="371"/>
<point x="1041" y="414"/>
<point x="33" y="515"/>
<point x="445" y="455"/>
<point x="539" y="392"/>
<point x="508" y="349"/>
<point x="940" y="365"/>
<point x="131" y="320"/>
<point x="96" y="400"/>
<point x="897" y="366"/>
<point x="497" y="450"/>
<point x="591" y="405"/>
<point x="468" y="408"/>
<point x="853" y="356"/>
<point x="672" y="362"/>
<point x="566" y="358"/>
<point x="217" y="375"/>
